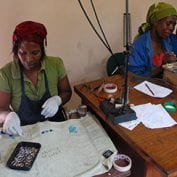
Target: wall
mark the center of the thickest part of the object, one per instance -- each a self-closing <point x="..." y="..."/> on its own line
<point x="69" y="34"/>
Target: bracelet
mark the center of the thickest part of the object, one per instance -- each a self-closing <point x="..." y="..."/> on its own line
<point x="122" y="163"/>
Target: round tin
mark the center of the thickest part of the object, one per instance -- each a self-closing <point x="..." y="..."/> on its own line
<point x="170" y="106"/>
<point x="122" y="163"/>
<point x="110" y="88"/>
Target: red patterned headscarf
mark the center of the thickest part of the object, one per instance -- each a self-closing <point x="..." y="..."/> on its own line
<point x="30" y="31"/>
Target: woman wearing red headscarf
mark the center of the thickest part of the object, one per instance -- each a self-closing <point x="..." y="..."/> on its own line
<point x="33" y="87"/>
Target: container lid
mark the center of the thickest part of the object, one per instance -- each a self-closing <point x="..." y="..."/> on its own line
<point x="170" y="106"/>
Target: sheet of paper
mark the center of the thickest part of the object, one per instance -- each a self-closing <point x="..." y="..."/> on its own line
<point x="139" y="109"/>
<point x="151" y="116"/>
<point x="153" y="90"/>
<point x="68" y="149"/>
<point x="157" y="117"/>
<point x="130" y="124"/>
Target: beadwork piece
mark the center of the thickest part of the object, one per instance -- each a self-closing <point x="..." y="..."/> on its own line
<point x="23" y="156"/>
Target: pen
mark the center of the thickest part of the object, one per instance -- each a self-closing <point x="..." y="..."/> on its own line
<point x="149" y="88"/>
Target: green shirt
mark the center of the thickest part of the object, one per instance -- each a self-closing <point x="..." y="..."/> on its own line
<point x="10" y="80"/>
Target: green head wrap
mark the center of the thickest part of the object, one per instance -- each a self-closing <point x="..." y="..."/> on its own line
<point x="156" y="13"/>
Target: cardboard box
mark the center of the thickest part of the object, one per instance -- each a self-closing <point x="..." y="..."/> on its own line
<point x="170" y="77"/>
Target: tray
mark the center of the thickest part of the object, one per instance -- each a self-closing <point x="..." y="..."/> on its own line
<point x="23" y="156"/>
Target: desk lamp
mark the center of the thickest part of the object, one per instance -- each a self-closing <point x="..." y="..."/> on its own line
<point x="123" y="113"/>
<point x="126" y="113"/>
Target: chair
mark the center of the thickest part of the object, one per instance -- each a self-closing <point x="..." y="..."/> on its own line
<point x="115" y="64"/>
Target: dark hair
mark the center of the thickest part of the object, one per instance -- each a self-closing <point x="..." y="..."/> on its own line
<point x="17" y="44"/>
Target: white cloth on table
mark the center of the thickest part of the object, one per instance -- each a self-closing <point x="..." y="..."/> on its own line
<point x="72" y="148"/>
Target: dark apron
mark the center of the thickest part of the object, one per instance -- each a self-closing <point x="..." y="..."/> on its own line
<point x="30" y="111"/>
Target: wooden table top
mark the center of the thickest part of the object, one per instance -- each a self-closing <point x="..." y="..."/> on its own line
<point x="158" y="146"/>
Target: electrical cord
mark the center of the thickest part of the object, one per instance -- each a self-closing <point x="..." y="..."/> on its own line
<point x="106" y="44"/>
<point x="100" y="25"/>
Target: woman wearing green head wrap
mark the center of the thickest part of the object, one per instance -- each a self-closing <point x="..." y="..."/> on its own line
<point x="155" y="44"/>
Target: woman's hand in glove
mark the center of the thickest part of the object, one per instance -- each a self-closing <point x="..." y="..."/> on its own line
<point x="11" y="124"/>
<point x="50" y="107"/>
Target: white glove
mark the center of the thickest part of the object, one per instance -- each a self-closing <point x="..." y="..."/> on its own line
<point x="51" y="105"/>
<point x="11" y="124"/>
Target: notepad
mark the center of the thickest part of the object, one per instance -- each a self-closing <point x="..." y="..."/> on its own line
<point x="153" y="90"/>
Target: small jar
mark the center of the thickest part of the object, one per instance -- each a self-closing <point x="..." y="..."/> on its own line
<point x="82" y="110"/>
